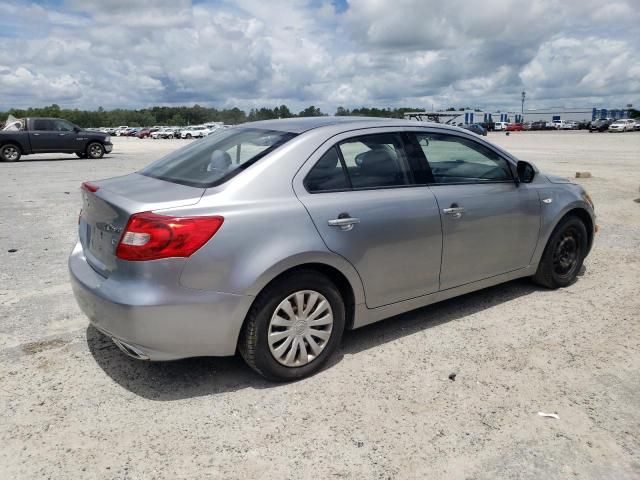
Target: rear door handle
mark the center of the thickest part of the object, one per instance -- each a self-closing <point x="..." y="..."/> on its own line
<point x="36" y="134"/>
<point x="455" y="212"/>
<point x="345" y="224"/>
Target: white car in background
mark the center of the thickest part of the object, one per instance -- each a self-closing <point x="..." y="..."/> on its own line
<point x="121" y="129"/>
<point x="568" y="126"/>
<point x="622" y="125"/>
<point x="195" y="132"/>
<point x="162" y="133"/>
<point x="500" y="125"/>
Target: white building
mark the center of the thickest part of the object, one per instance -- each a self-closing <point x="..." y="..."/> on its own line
<point x="467" y="117"/>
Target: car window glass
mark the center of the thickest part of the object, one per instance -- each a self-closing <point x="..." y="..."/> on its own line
<point x="375" y="161"/>
<point x="41" y="125"/>
<point x="62" y="126"/>
<point x="328" y="174"/>
<point x="459" y="160"/>
<point x="217" y="157"/>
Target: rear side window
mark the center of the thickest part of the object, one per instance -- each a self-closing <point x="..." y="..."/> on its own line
<point x="459" y="160"/>
<point x="374" y="161"/>
<point x="218" y="157"/>
<point x="328" y="174"/>
<point x="42" y="125"/>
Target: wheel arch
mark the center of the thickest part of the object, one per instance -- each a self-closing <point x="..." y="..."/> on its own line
<point x="586" y="218"/>
<point x="351" y="294"/>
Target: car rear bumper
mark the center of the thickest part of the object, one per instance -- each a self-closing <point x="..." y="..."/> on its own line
<point x="149" y="322"/>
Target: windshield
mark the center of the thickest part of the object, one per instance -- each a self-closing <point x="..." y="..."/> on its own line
<point x="215" y="159"/>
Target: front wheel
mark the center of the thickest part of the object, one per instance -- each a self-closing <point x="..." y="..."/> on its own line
<point x="564" y="254"/>
<point x="10" y="153"/>
<point x="294" y="326"/>
<point x="95" y="150"/>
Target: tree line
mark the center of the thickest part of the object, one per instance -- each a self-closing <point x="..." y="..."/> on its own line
<point x="183" y="115"/>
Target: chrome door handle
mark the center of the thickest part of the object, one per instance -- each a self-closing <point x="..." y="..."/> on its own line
<point x="36" y="134"/>
<point x="345" y="224"/>
<point x="61" y="134"/>
<point x="455" y="212"/>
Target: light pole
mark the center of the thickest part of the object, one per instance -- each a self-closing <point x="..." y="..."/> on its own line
<point x="522" y="108"/>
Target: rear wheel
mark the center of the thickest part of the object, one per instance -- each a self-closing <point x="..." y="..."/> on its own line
<point x="10" y="153"/>
<point x="95" y="150"/>
<point x="564" y="254"/>
<point x="294" y="326"/>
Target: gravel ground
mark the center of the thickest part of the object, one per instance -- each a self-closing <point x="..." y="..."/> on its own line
<point x="73" y="406"/>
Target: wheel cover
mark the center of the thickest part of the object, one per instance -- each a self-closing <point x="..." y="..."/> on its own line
<point x="566" y="254"/>
<point x="95" y="150"/>
<point x="10" y="153"/>
<point x="300" y="328"/>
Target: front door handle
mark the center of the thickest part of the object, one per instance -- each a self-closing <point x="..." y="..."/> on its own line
<point x="345" y="223"/>
<point x="36" y="134"/>
<point x="62" y="134"/>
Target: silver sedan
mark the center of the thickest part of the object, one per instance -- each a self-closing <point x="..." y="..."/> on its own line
<point x="271" y="238"/>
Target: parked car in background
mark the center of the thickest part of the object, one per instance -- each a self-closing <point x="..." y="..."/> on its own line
<point x="169" y="263"/>
<point x="162" y="133"/>
<point x="121" y="129"/>
<point x="51" y="135"/>
<point x="145" y="132"/>
<point x="622" y="125"/>
<point x="477" y="129"/>
<point x="570" y="125"/>
<point x="514" y="127"/>
<point x="198" y="131"/>
<point x="538" y="125"/>
<point x="500" y="126"/>
<point x="600" y="125"/>
<point x="637" y="125"/>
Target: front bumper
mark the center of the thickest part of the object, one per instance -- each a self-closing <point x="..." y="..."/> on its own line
<point x="159" y="324"/>
<point x="108" y="147"/>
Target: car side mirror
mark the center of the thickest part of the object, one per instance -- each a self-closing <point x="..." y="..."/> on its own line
<point x="526" y="172"/>
<point x="76" y="129"/>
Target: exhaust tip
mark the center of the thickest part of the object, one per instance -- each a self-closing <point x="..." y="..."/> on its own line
<point x="131" y="350"/>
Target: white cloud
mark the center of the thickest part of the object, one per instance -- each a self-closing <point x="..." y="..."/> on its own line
<point x="252" y="53"/>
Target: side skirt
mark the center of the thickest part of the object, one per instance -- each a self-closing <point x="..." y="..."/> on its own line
<point x="365" y="316"/>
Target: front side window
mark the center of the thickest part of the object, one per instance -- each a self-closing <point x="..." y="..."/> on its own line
<point x="374" y="161"/>
<point x="62" y="126"/>
<point x="217" y="157"/>
<point x="459" y="160"/>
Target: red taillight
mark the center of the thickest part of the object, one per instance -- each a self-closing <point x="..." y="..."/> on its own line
<point x="89" y="187"/>
<point x="149" y="236"/>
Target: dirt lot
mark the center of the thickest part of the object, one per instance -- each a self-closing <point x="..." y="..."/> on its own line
<point x="73" y="406"/>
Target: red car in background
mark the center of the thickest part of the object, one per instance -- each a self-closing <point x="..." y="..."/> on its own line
<point x="514" y="127"/>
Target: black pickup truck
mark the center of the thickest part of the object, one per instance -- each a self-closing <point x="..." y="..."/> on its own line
<point x="50" y="135"/>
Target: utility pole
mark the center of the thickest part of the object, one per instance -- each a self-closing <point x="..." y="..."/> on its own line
<point x="522" y="109"/>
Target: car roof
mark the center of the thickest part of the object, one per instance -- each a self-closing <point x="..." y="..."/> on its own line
<point x="303" y="124"/>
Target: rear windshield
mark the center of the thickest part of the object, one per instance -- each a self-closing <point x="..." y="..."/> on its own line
<point x="218" y="157"/>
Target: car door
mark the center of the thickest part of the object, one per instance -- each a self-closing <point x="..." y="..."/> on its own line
<point x="68" y="139"/>
<point x="490" y="223"/>
<point x="53" y="135"/>
<point x="42" y="135"/>
<point x="367" y="206"/>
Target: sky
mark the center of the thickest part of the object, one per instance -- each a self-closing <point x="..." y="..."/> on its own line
<point x="328" y="53"/>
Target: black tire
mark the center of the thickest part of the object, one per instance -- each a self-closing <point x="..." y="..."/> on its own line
<point x="253" y="345"/>
<point x="81" y="154"/>
<point x="10" y="153"/>
<point x="95" y="150"/>
<point x="564" y="254"/>
<point x="188" y="135"/>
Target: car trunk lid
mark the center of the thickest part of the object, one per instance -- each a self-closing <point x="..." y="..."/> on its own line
<point x="106" y="211"/>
